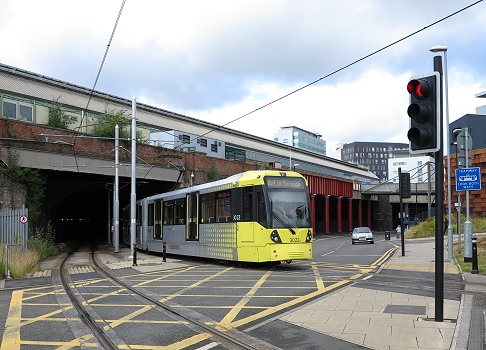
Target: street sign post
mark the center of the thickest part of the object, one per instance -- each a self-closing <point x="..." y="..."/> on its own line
<point x="468" y="179"/>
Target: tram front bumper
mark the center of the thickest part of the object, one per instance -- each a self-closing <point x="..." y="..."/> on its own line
<point x="284" y="252"/>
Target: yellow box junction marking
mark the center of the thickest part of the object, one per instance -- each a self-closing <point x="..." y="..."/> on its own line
<point x="163" y="277"/>
<point x="172" y="296"/>
<point x="11" y="336"/>
<point x="231" y="315"/>
<point x="290" y="303"/>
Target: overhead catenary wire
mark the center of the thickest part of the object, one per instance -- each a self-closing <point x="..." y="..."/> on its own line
<point x="99" y="73"/>
<point x="344" y="67"/>
<point x="284" y="96"/>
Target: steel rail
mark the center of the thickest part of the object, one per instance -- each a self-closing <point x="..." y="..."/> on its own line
<point x="169" y="309"/>
<point x="98" y="332"/>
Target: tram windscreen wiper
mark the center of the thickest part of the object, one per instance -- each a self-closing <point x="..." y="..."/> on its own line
<point x="283" y="222"/>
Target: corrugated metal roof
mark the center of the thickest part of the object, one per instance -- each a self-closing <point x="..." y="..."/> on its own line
<point x="46" y="89"/>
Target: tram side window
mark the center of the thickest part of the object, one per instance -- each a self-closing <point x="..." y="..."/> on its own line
<point x="247" y="204"/>
<point x="223" y="206"/>
<point x="150" y="213"/>
<point x="261" y="209"/>
<point x="139" y="214"/>
<point x="179" y="211"/>
<point x="158" y="220"/>
<point x="168" y="213"/>
<point x="208" y="211"/>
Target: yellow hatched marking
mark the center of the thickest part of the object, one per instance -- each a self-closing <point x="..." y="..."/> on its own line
<point x="231" y="315"/>
<point x="172" y="296"/>
<point x="164" y="277"/>
<point x="102" y="296"/>
<point x="44" y="317"/>
<point x="290" y="303"/>
<point x="11" y="336"/>
<point x="34" y="296"/>
<point x="175" y="346"/>
<point x="82" y="341"/>
<point x="130" y="316"/>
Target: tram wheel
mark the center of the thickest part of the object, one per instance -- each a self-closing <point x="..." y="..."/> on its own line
<point x="288" y="261"/>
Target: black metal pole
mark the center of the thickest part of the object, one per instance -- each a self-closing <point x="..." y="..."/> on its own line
<point x="163" y="252"/>
<point x="439" y="208"/>
<point x="134" y="254"/>
<point x="474" y="269"/>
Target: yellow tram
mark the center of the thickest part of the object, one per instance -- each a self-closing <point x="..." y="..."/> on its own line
<point x="255" y="216"/>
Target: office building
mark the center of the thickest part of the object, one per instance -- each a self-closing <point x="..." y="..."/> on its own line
<point x="300" y="138"/>
<point x="371" y="155"/>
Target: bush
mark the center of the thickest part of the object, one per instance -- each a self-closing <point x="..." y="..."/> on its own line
<point x="108" y="121"/>
<point x="43" y="242"/>
<point x="422" y="229"/>
<point x="426" y="228"/>
<point x="57" y="118"/>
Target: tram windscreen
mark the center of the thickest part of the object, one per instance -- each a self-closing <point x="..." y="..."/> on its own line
<point x="288" y="202"/>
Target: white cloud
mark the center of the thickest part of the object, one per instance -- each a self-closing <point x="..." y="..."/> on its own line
<point x="341" y="113"/>
<point x="219" y="60"/>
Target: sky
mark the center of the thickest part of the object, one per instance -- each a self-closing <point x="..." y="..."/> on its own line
<point x="343" y="64"/>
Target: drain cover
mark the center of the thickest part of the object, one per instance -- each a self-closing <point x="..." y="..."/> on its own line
<point x="405" y="309"/>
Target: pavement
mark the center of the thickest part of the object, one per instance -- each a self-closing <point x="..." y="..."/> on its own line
<point x="383" y="319"/>
<point x="369" y="317"/>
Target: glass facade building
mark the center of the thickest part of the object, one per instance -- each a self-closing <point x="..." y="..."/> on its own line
<point x="300" y="138"/>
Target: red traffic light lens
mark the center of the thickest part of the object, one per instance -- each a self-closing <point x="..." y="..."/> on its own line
<point x="418" y="88"/>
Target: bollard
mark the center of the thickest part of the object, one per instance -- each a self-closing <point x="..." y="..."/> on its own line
<point x="134" y="254"/>
<point x="387" y="235"/>
<point x="474" y="268"/>
<point x="163" y="252"/>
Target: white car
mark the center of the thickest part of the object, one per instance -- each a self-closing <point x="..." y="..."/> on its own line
<point x="362" y="234"/>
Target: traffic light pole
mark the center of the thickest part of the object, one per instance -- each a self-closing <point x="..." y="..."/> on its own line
<point x="439" y="211"/>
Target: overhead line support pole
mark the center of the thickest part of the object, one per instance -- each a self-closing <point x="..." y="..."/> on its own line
<point x="133" y="195"/>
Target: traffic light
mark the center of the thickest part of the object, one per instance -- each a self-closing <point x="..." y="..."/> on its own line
<point x="424" y="113"/>
<point x="404" y="185"/>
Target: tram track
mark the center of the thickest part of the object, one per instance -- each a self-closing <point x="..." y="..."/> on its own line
<point x="228" y="338"/>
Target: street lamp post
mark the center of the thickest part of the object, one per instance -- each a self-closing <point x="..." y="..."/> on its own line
<point x="458" y="204"/>
<point x="447" y="143"/>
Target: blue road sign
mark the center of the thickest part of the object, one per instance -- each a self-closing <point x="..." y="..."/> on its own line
<point x="468" y="179"/>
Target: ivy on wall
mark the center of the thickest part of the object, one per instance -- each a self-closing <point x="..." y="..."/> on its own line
<point x="30" y="179"/>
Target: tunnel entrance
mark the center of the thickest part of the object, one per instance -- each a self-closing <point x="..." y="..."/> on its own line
<point x="79" y="206"/>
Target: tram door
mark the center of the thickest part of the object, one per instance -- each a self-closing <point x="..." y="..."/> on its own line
<point x="192" y="216"/>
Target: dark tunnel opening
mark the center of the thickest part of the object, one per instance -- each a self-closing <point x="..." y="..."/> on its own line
<point x="79" y="207"/>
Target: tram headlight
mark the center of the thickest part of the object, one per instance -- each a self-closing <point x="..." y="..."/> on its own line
<point x="275" y="237"/>
<point x="309" y="236"/>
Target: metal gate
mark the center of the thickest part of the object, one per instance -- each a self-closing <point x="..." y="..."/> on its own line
<point x="14" y="226"/>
